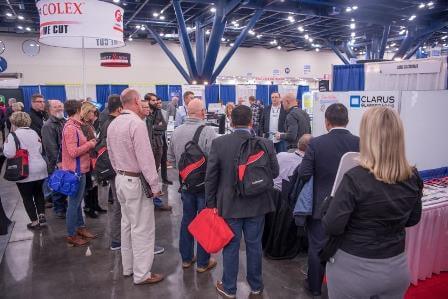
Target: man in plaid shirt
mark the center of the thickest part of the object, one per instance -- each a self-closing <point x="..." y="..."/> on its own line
<point x="257" y="112"/>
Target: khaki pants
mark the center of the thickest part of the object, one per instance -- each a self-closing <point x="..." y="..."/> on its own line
<point x="137" y="228"/>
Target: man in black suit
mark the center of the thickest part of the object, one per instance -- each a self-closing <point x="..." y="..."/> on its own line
<point x="277" y="114"/>
<point x="242" y="214"/>
<point x="321" y="162"/>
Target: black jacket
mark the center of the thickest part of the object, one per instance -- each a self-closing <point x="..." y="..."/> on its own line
<point x="2" y="118"/>
<point x="9" y="112"/>
<point x="297" y="123"/>
<point x="102" y="138"/>
<point x="265" y="121"/>
<point x="156" y="128"/>
<point x="52" y="140"/>
<point x="37" y="120"/>
<point x="321" y="161"/>
<point x="370" y="216"/>
<point x="220" y="180"/>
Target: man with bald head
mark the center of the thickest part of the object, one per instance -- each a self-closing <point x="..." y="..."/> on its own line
<point x="182" y="111"/>
<point x="297" y="122"/>
<point x="131" y="157"/>
<point x="51" y="141"/>
<point x="193" y="203"/>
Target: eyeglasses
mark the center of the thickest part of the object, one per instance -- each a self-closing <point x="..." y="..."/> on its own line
<point x="39" y="102"/>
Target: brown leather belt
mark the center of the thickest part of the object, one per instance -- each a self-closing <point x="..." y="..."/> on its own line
<point x="128" y="173"/>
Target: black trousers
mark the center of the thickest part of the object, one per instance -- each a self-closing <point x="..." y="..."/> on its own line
<point x="316" y="241"/>
<point x="4" y="221"/>
<point x="33" y="198"/>
<point x="163" y="165"/>
<point x="91" y="194"/>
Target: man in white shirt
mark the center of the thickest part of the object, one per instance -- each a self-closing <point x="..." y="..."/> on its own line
<point x="273" y="120"/>
<point x="182" y="111"/>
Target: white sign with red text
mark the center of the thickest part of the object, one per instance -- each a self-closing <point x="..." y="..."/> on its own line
<point x="74" y="24"/>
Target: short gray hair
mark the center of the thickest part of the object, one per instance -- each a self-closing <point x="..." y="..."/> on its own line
<point x="128" y="95"/>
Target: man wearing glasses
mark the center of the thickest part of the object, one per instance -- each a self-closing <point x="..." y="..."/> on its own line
<point x="37" y="113"/>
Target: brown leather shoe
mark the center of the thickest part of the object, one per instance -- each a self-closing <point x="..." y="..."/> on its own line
<point x="187" y="265"/>
<point x="85" y="233"/>
<point x="222" y="292"/>
<point x="76" y="241"/>
<point x="211" y="264"/>
<point x="164" y="207"/>
<point x="155" y="278"/>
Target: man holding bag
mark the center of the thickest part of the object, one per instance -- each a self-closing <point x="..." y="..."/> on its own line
<point x="242" y="213"/>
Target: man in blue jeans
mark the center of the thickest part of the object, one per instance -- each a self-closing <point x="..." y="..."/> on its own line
<point x="244" y="215"/>
<point x="193" y="203"/>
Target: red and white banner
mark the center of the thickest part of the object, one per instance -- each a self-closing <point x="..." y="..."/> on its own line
<point x="72" y="23"/>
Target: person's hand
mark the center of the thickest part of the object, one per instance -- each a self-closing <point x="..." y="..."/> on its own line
<point x="277" y="135"/>
<point x="59" y="165"/>
<point x="92" y="143"/>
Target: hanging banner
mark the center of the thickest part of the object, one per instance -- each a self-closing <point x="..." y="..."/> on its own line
<point x="115" y="59"/>
<point x="411" y="67"/>
<point x="74" y="24"/>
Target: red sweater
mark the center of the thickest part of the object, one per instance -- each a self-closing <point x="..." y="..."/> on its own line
<point x="71" y="150"/>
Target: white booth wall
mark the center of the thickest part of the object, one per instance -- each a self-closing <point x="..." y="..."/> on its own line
<point x="151" y="66"/>
<point x="423" y="114"/>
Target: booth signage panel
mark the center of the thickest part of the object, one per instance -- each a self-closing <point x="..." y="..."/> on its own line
<point x="115" y="59"/>
<point x="74" y="24"/>
<point x="411" y="67"/>
<point x="198" y="90"/>
<point x="321" y="101"/>
<point x="367" y="99"/>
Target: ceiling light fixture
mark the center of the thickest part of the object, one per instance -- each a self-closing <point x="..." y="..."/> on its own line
<point x="398" y="59"/>
<point x="279" y="47"/>
<point x="310" y="40"/>
<point x="194" y="82"/>
<point x="306" y="36"/>
<point x="232" y="44"/>
<point x="20" y="17"/>
<point x="20" y="27"/>
<point x="130" y="39"/>
<point x="142" y="28"/>
<point x="355" y="7"/>
<point x="162" y="34"/>
<point x="301" y="29"/>
<point x="444" y="37"/>
<point x="352" y="26"/>
<point x="8" y="14"/>
<point x="223" y="39"/>
<point x="317" y="49"/>
<point x="429" y="4"/>
<point x="213" y="9"/>
<point x="412" y="17"/>
<point x="352" y="34"/>
<point x="162" y="17"/>
<point x="207" y="32"/>
<point x="259" y="36"/>
<point x="116" y="1"/>
<point x="392" y="44"/>
<point x="251" y="32"/>
<point x="352" y="20"/>
<point x="156" y="14"/>
<point x="422" y="5"/>
<point x="291" y="19"/>
<point x="348" y="9"/>
<point x="28" y="29"/>
<point x="402" y="32"/>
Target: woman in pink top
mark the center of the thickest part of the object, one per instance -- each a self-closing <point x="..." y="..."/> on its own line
<point x="75" y="150"/>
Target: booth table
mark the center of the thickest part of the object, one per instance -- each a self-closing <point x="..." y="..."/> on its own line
<point x="427" y="242"/>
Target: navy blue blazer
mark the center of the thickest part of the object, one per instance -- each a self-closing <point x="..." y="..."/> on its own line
<point x="321" y="161"/>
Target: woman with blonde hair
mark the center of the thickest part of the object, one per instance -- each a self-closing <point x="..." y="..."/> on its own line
<point x="30" y="188"/>
<point x="228" y="112"/>
<point x="368" y="215"/>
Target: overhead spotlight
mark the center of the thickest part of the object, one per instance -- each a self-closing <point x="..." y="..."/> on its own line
<point x="392" y="44"/>
<point x="279" y="47"/>
<point x="310" y="40"/>
<point x="143" y="28"/>
<point x="223" y="39"/>
<point x="429" y="4"/>
<point x="348" y="9"/>
<point x="28" y="29"/>
<point x="352" y="34"/>
<point x="194" y="82"/>
<point x="352" y="20"/>
<point x="301" y="29"/>
<point x="213" y="9"/>
<point x="402" y="32"/>
<point x="20" y="17"/>
<point x="398" y="59"/>
<point x="444" y="37"/>
<point x="352" y="26"/>
<point x="411" y="18"/>
<point x="306" y="36"/>
<point x="251" y="32"/>
<point x="352" y="42"/>
<point x="156" y="14"/>
<point x="20" y="27"/>
<point x="231" y="44"/>
<point x="162" y="17"/>
<point x="422" y="5"/>
<point x="162" y="34"/>
<point x="205" y="82"/>
<point x="130" y="39"/>
<point x="116" y="1"/>
<point x="355" y="7"/>
<point x="259" y="36"/>
<point x="291" y="19"/>
<point x="387" y="47"/>
<point x="8" y="14"/>
<point x="138" y="26"/>
<point x="236" y="25"/>
<point x="317" y="49"/>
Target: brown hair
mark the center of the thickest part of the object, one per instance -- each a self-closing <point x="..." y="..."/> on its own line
<point x="20" y="119"/>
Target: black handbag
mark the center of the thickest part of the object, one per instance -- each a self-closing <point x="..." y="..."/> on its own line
<point x="17" y="168"/>
<point x="333" y="242"/>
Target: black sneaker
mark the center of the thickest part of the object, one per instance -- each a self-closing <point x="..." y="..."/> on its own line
<point x="167" y="182"/>
<point x="42" y="219"/>
<point x="60" y="215"/>
<point x="114" y="245"/>
<point x="158" y="249"/>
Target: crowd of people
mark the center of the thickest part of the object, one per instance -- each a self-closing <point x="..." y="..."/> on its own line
<point x="355" y="237"/>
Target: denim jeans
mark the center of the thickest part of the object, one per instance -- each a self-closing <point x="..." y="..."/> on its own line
<point x="253" y="232"/>
<point x="192" y="205"/>
<point x="74" y="217"/>
<point x="280" y="146"/>
<point x="59" y="202"/>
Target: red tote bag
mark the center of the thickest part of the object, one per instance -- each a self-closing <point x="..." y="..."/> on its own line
<point x="210" y="230"/>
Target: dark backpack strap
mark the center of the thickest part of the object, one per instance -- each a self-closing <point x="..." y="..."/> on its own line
<point x="16" y="140"/>
<point x="197" y="134"/>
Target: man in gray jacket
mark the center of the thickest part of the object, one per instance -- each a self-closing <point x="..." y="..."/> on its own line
<point x="51" y="141"/>
<point x="297" y="122"/>
<point x="193" y="203"/>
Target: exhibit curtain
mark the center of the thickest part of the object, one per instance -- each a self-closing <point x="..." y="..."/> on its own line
<point x="211" y="94"/>
<point x="162" y="92"/>
<point x="348" y="77"/>
<point x="262" y="93"/>
<point x="272" y="88"/>
<point x="54" y="92"/>
<point x="300" y="91"/>
<point x="118" y="89"/>
<point x="28" y="91"/>
<point x="174" y="91"/>
<point x="102" y="93"/>
<point x="227" y="93"/>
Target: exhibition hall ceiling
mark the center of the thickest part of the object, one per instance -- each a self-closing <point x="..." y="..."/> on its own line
<point x="284" y="25"/>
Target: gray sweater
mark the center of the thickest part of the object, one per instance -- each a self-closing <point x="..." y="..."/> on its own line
<point x="297" y="123"/>
<point x="184" y="133"/>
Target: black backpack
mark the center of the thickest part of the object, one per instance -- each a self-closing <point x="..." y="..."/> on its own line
<point x="253" y="169"/>
<point x="103" y="167"/>
<point x="192" y="165"/>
